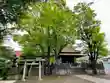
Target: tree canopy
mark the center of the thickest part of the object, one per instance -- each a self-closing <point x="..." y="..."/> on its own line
<point x="47" y="25"/>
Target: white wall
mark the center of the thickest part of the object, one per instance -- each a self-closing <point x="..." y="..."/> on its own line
<point x="8" y="41"/>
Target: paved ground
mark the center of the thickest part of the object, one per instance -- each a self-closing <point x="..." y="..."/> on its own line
<point x="7" y="81"/>
<point x="103" y="77"/>
<point x="93" y="79"/>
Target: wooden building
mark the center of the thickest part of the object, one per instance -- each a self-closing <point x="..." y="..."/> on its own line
<point x="69" y="54"/>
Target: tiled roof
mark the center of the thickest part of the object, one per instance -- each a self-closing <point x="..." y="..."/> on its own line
<point x="69" y="48"/>
<point x="70" y="51"/>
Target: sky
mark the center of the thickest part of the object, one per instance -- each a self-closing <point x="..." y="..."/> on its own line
<point x="101" y="8"/>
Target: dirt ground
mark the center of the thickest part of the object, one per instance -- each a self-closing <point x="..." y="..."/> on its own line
<point x="55" y="79"/>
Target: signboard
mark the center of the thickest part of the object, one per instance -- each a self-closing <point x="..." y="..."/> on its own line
<point x="18" y="53"/>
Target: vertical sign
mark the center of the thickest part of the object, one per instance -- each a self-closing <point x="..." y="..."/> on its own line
<point x="18" y="53"/>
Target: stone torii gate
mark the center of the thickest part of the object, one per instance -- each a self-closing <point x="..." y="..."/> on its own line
<point x="33" y="62"/>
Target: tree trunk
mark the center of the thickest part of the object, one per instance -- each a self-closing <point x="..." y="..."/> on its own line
<point x="56" y="56"/>
<point x="93" y="61"/>
<point x="93" y="66"/>
<point x="49" y="69"/>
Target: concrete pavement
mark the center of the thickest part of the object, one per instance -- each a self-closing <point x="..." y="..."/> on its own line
<point x="93" y="79"/>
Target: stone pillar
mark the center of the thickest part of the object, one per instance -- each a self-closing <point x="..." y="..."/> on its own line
<point x="40" y="71"/>
<point x="24" y="71"/>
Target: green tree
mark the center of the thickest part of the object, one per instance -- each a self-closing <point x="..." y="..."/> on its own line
<point x="89" y="32"/>
<point x="7" y="15"/>
<point x="10" y="9"/>
<point x="48" y="25"/>
<point x="61" y="23"/>
<point x="9" y="12"/>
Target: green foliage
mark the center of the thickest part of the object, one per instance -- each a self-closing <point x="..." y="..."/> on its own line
<point x="10" y="9"/>
<point x="6" y="52"/>
<point x="47" y="24"/>
<point x="52" y="59"/>
<point x="32" y="51"/>
<point x="89" y="30"/>
<point x="6" y="55"/>
<point x="9" y="13"/>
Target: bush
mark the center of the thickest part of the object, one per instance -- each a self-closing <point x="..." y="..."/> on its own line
<point x="5" y="65"/>
<point x="6" y="56"/>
